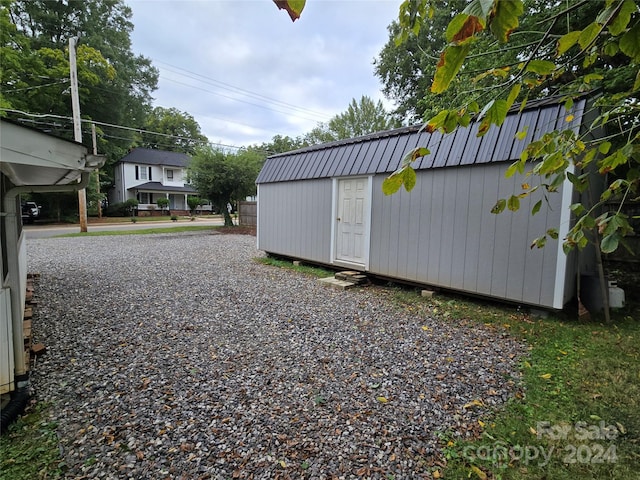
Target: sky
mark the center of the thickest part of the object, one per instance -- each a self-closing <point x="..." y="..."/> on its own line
<point x="246" y="72"/>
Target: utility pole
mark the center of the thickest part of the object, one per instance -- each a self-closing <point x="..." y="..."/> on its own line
<point x="77" y="125"/>
<point x="95" y="152"/>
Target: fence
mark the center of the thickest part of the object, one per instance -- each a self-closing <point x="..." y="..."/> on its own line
<point x="248" y="213"/>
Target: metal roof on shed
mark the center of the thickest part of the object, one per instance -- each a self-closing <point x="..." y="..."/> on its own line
<point x="382" y="152"/>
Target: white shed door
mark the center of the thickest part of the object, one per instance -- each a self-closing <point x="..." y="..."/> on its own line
<point x="351" y="227"/>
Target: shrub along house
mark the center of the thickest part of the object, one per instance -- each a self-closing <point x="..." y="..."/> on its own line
<point x="30" y="162"/>
<point x="324" y="204"/>
<point x="145" y="175"/>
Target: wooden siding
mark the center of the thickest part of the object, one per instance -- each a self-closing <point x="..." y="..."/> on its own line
<point x="294" y="219"/>
<point x="443" y="234"/>
<point x="248" y="213"/>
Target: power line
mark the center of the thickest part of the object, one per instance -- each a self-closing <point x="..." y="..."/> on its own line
<point x="238" y="99"/>
<point x="233" y="88"/>
<point x="122" y="127"/>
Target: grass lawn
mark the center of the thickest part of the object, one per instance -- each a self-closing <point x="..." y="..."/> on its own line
<point x="146" y="231"/>
<point x="164" y="218"/>
<point x="29" y="448"/>
<point x="576" y="415"/>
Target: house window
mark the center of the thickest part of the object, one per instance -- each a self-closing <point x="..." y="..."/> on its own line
<point x="169" y="174"/>
<point x="143" y="173"/>
<point x="145" y="197"/>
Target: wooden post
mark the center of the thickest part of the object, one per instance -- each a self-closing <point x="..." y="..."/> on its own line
<point x="77" y="126"/>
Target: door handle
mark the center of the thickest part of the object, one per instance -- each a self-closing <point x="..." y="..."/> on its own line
<point x="338" y="218"/>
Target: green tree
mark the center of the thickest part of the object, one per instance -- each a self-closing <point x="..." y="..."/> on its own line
<point x="162" y="202"/>
<point x="580" y="46"/>
<point x="280" y="144"/>
<point x="179" y="131"/>
<point x="224" y="178"/>
<point x="114" y="84"/>
<point x="406" y="68"/>
<point x="360" y="118"/>
<point x="193" y="202"/>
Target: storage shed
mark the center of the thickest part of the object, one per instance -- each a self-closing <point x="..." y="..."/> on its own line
<point x="324" y="204"/>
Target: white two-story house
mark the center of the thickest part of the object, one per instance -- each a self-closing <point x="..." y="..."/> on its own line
<point x="145" y="174"/>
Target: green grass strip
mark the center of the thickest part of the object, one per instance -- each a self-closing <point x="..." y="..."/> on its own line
<point x="145" y="231"/>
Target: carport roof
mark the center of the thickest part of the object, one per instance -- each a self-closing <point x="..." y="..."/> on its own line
<point x="32" y="157"/>
<point x="382" y="152"/>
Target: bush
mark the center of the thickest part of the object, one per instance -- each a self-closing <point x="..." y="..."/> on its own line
<point x="122" y="209"/>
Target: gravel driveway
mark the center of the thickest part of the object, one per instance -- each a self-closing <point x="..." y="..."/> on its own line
<point x="178" y="356"/>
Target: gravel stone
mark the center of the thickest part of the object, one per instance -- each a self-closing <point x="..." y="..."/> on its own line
<point x="178" y="356"/>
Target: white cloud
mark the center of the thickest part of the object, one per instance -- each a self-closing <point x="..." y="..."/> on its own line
<point x="247" y="73"/>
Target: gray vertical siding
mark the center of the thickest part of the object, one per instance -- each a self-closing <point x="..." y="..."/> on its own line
<point x="443" y="234"/>
<point x="294" y="219"/>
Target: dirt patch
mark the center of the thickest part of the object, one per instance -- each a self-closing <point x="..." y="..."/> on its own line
<point x="237" y="230"/>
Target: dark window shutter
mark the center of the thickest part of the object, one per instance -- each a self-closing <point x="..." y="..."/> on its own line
<point x="137" y="172"/>
<point x="149" y="173"/>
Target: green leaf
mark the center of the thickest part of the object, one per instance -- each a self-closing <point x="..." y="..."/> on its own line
<point x="553" y="233"/>
<point x="567" y="41"/>
<point x="293" y="7"/>
<point x="536" y="207"/>
<point x="609" y="243"/>
<point x="611" y="49"/>
<point x="437" y="122"/>
<point x="539" y="242"/>
<point x="451" y="122"/>
<point x="419" y="152"/>
<point x="450" y="62"/>
<point x="496" y="113"/>
<point x="462" y="27"/>
<point x="392" y="183"/>
<point x="636" y="84"/>
<point x="589" y="156"/>
<point x="409" y="178"/>
<point x="505" y="18"/>
<point x="513" y="203"/>
<point x="513" y="94"/>
<point x="551" y="163"/>
<point x="588" y="35"/>
<point x="577" y="209"/>
<point x="621" y="20"/>
<point x="464" y="120"/>
<point x="541" y="67"/>
<point x="592" y="76"/>
<point x="630" y="43"/>
<point x="479" y="8"/>
<point x="516" y="166"/>
<point x="568" y="104"/>
<point x="499" y="206"/>
<point x="604" y="147"/>
<point x="613" y="161"/>
<point x="413" y="155"/>
<point x="522" y="133"/>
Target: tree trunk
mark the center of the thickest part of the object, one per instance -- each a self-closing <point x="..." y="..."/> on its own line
<point x="228" y="221"/>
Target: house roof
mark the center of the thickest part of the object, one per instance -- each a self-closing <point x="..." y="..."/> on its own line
<point x="159" y="187"/>
<point x="148" y="156"/>
<point x="382" y="152"/>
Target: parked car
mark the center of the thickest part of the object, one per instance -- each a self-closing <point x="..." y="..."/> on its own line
<point x="30" y="212"/>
